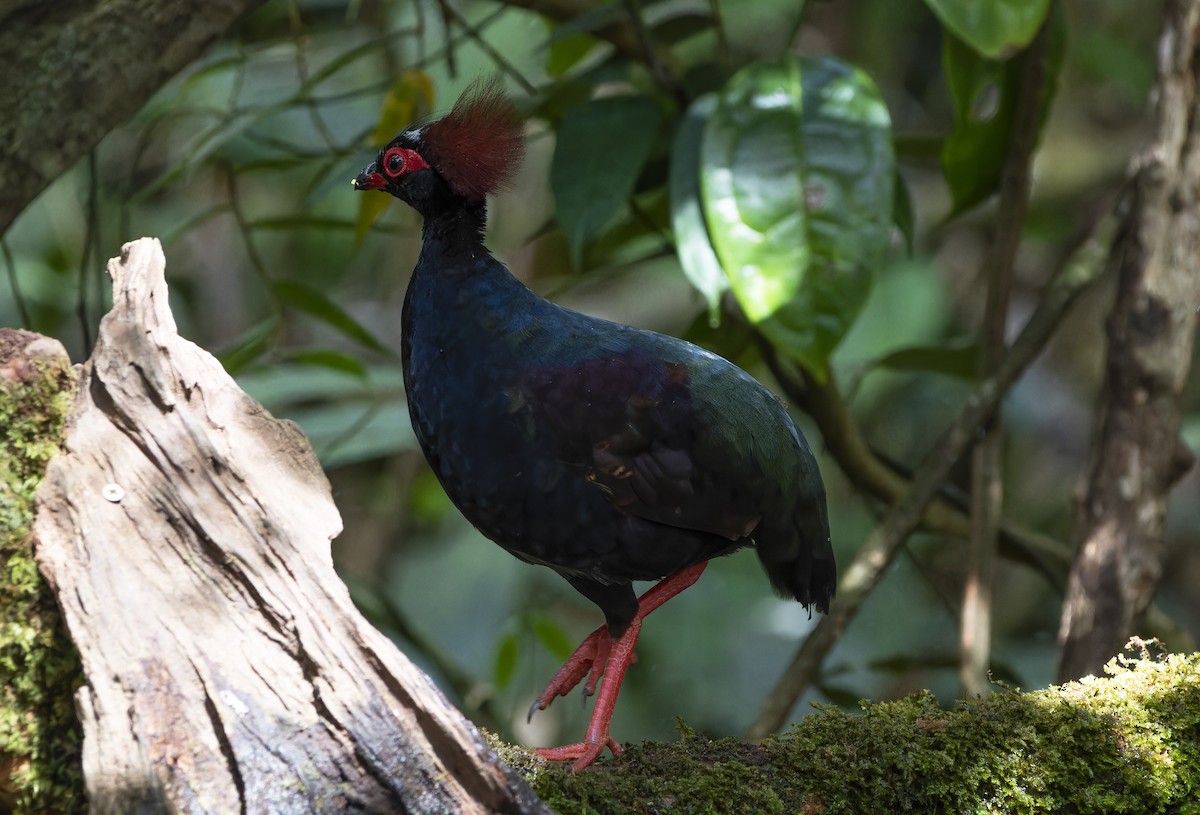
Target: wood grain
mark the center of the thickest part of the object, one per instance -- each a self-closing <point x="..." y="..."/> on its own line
<point x="186" y="535"/>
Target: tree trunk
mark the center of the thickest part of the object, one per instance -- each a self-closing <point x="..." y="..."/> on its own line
<point x="1137" y="454"/>
<point x="185" y="533"/>
<point x="77" y="68"/>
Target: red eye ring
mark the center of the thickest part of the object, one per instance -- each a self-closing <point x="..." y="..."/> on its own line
<point x="393" y="162"/>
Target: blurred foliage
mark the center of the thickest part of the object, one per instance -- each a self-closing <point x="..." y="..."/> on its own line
<point x="860" y="141"/>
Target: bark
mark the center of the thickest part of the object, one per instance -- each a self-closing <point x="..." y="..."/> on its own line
<point x="1137" y="454"/>
<point x="77" y="68"/>
<point x="185" y="533"/>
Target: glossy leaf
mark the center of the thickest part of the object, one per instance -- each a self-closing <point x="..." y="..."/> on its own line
<point x="410" y="99"/>
<point x="993" y="28"/>
<point x="696" y="256"/>
<point x="983" y="93"/>
<point x="797" y="177"/>
<point x="307" y="299"/>
<point x="984" y="96"/>
<point x="601" y="148"/>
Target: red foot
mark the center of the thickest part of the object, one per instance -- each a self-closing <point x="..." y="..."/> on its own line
<point x="582" y="753"/>
<point x="587" y="660"/>
<point x="600" y="656"/>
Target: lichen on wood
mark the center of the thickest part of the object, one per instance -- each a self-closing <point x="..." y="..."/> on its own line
<point x="39" y="668"/>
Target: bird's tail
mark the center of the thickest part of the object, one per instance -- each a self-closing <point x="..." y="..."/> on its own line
<point x="797" y="554"/>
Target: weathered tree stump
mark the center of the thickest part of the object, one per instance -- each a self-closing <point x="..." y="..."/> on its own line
<point x="186" y="535"/>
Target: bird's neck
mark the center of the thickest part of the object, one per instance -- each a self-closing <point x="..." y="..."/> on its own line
<point x="461" y="296"/>
<point x="455" y="232"/>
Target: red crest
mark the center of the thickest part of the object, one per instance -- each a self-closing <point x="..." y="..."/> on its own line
<point x="479" y="145"/>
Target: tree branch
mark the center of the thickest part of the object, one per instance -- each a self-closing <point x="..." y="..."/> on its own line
<point x="1137" y="455"/>
<point x="987" y="488"/>
<point x="72" y="79"/>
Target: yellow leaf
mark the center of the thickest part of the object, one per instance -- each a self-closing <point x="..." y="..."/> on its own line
<point x="410" y="99"/>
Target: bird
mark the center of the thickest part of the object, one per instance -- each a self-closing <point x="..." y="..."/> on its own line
<point x="608" y="453"/>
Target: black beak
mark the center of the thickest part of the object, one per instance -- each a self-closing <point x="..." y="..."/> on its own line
<point x="369" y="179"/>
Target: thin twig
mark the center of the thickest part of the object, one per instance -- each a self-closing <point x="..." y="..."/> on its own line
<point x="22" y="309"/>
<point x="622" y="34"/>
<point x="889" y="536"/>
<point x="495" y="56"/>
<point x="246" y="231"/>
<point x="654" y="58"/>
<point x="311" y="105"/>
<point x="999" y="266"/>
<point x="86" y="255"/>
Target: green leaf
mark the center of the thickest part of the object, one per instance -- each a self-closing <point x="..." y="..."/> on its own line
<point x="310" y="301"/>
<point x="552" y="637"/>
<point x="333" y="360"/>
<point x="993" y="28"/>
<point x="285" y="387"/>
<point x="797" y="175"/>
<point x="696" y="256"/>
<point x="410" y="99"/>
<point x="249" y="347"/>
<point x="958" y="359"/>
<point x="984" y="93"/>
<point x="506" y="660"/>
<point x="564" y="51"/>
<point x="601" y="148"/>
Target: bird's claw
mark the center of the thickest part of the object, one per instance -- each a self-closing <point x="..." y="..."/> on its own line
<point x="588" y="660"/>
<point x="582" y="753"/>
<point x="534" y="708"/>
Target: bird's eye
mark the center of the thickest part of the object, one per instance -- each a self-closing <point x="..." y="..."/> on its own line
<point x="393" y="162"/>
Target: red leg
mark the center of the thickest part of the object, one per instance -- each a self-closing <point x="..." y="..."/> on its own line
<point x="599" y="655"/>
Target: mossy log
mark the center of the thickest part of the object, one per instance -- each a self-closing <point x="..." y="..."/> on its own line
<point x="185" y="533"/>
<point x="1128" y="742"/>
<point x="39" y="669"/>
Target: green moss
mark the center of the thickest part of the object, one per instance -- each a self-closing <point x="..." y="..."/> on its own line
<point x="39" y="668"/>
<point x="1127" y="742"/>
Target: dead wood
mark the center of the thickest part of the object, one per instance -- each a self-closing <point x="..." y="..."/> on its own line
<point x="186" y="535"/>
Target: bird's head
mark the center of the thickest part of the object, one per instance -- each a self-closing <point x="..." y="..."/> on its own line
<point x="472" y="151"/>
